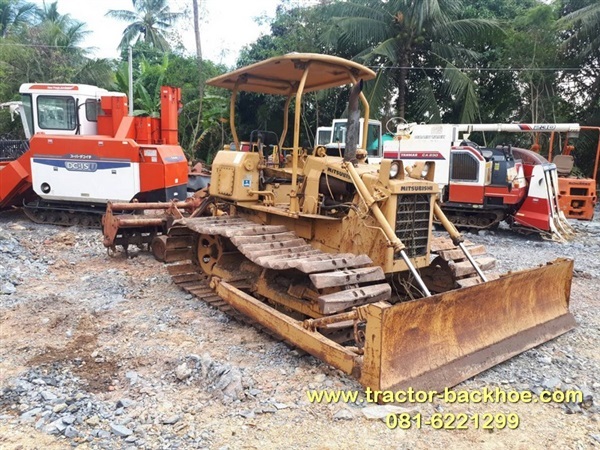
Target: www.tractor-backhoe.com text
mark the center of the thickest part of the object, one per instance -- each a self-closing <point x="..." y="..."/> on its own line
<point x="410" y="395"/>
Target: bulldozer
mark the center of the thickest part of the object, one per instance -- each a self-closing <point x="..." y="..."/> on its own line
<point x="334" y="255"/>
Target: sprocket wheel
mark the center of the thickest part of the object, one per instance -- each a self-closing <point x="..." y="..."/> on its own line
<point x="209" y="251"/>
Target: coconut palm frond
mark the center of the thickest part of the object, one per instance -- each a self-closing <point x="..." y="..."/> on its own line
<point x="463" y="91"/>
<point x="377" y="92"/>
<point x="404" y="32"/>
<point x="351" y="9"/>
<point x="389" y="49"/>
<point x="452" y="52"/>
<point x="150" y="20"/>
<point x="469" y="30"/>
<point x="357" y="30"/>
<point x="586" y="23"/>
<point x="124" y="15"/>
<point x="427" y="105"/>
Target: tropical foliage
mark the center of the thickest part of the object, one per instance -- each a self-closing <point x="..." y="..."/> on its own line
<point x="149" y="21"/>
<point x="14" y="14"/>
<point x="437" y="61"/>
<point x="402" y="34"/>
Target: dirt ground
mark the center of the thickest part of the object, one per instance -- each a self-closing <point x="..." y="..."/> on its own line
<point x="107" y="353"/>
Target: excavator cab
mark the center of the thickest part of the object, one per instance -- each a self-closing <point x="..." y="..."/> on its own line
<point x="335" y="255"/>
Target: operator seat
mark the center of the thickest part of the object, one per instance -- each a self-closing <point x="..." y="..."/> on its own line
<point x="564" y="164"/>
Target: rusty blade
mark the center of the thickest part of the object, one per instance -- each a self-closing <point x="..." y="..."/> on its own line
<point x="437" y="342"/>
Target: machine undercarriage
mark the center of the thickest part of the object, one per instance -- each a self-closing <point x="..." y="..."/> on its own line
<point x="334" y="306"/>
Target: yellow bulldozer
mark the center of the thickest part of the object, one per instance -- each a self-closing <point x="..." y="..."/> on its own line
<point x="333" y="254"/>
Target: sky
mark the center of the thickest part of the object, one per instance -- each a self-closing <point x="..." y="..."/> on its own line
<point x="225" y="25"/>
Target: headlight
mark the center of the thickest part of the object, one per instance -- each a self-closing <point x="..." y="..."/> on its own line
<point x="394" y="170"/>
<point x="425" y="170"/>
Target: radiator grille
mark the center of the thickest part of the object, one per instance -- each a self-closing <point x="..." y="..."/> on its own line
<point x="580" y="191"/>
<point x="412" y="222"/>
<point x="464" y="167"/>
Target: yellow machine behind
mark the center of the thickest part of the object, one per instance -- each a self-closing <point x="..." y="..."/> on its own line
<point x="333" y="254"/>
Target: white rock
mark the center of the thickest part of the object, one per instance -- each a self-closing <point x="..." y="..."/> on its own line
<point x="382" y="411"/>
<point x="183" y="372"/>
<point x="344" y="414"/>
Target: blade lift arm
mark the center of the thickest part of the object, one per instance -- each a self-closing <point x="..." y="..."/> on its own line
<point x="457" y="238"/>
<point x="389" y="233"/>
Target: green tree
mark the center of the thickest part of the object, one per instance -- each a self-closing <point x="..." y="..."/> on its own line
<point x="397" y="35"/>
<point x="199" y="142"/>
<point x="294" y="29"/>
<point x="499" y="96"/>
<point x="49" y="13"/>
<point x="60" y="30"/>
<point x="587" y="32"/>
<point x="150" y="21"/>
<point x="47" y="47"/>
<point x="55" y="54"/>
<point x="581" y="44"/>
<point x="14" y="14"/>
<point x="581" y="25"/>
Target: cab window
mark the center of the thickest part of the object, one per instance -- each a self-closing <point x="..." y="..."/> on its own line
<point x="91" y="110"/>
<point x="26" y="100"/>
<point x="373" y="140"/>
<point x="56" y="113"/>
<point x="339" y="132"/>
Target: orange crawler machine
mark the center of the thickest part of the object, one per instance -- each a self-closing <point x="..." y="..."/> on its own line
<point x="577" y="196"/>
<point x="85" y="150"/>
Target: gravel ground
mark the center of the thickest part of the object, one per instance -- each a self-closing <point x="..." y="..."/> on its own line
<point x="106" y="353"/>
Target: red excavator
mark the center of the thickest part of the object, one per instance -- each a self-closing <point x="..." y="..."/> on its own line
<point x="84" y="150"/>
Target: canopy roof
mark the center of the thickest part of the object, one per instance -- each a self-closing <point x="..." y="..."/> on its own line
<point x="281" y="75"/>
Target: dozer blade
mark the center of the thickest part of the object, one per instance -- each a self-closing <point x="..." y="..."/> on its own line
<point x="439" y="341"/>
<point x="435" y="342"/>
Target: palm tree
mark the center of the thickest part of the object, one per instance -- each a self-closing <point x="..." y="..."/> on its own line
<point x="56" y="54"/>
<point x="150" y="20"/>
<point x="401" y="34"/>
<point x="198" y="125"/>
<point x="583" y="45"/>
<point x="587" y="20"/>
<point x="14" y="13"/>
<point x="60" y="30"/>
<point x="49" y="13"/>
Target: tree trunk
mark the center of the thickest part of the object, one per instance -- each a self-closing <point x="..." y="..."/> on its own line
<point x="403" y="60"/>
<point x="200" y="80"/>
<point x="353" y="125"/>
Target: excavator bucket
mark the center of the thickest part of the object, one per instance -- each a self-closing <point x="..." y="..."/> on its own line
<point x="439" y="341"/>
